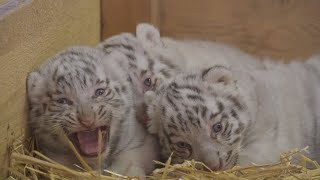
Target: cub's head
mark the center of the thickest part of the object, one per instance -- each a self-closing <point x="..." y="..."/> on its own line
<point x="74" y="94"/>
<point x="145" y="68"/>
<point x="199" y="116"/>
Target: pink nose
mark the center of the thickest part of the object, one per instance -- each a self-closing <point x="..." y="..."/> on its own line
<point x="87" y="122"/>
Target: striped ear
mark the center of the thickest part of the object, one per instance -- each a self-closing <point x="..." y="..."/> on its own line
<point x="217" y="74"/>
<point x="148" y="35"/>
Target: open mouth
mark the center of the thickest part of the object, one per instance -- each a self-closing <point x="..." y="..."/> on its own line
<point x="87" y="142"/>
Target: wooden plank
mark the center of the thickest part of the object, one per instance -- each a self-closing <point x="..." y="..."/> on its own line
<point x="123" y="15"/>
<point x="278" y="28"/>
<point x="155" y="13"/>
<point x="29" y="36"/>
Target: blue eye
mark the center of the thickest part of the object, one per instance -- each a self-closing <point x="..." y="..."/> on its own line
<point x="183" y="145"/>
<point x="64" y="101"/>
<point x="217" y="127"/>
<point x="147" y="82"/>
<point x="99" y="92"/>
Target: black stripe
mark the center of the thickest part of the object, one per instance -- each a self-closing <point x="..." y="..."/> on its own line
<point x="102" y="115"/>
<point x="195" y="97"/>
<point x="220" y="106"/>
<point x="172" y="103"/>
<point x="163" y="109"/>
<point x="234" y="114"/>
<point x="100" y="109"/>
<point x="167" y="136"/>
<point x="240" y="128"/>
<point x="189" y="87"/>
<point x="70" y="117"/>
<point x="236" y="140"/>
<point x="192" y="118"/>
<point x="196" y="109"/>
<point x="228" y="133"/>
<point x="190" y="77"/>
<point x="127" y="47"/>
<point x="225" y="128"/>
<point x="131" y="57"/>
<point x="204" y="111"/>
<point x="181" y="121"/>
<point x="88" y="70"/>
<point x="205" y="72"/>
<point x="143" y="72"/>
<point x="236" y="102"/>
<point x="123" y="89"/>
<point x="117" y="90"/>
<point x="228" y="155"/>
<point x="150" y="64"/>
<point x="172" y="126"/>
<point x="131" y="65"/>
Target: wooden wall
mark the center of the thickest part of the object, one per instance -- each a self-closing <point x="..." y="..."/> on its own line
<point x="29" y="36"/>
<point x="283" y="29"/>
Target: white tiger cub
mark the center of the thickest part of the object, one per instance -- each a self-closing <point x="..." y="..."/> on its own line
<point x="189" y="54"/>
<point x="225" y="117"/>
<point x="76" y="93"/>
<point x="149" y="59"/>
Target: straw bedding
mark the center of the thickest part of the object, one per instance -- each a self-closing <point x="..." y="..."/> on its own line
<point x="27" y="163"/>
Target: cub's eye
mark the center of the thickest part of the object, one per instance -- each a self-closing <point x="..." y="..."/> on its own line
<point x="183" y="149"/>
<point x="183" y="145"/>
<point x="147" y="82"/>
<point x="217" y="127"/>
<point x="99" y="92"/>
<point x="64" y="101"/>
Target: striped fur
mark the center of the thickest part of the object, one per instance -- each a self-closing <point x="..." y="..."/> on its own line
<point x="127" y="52"/>
<point x="188" y="108"/>
<point x="76" y="86"/>
<point x="262" y="113"/>
<point x="148" y="55"/>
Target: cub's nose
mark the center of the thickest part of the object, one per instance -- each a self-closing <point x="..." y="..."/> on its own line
<point x="87" y="122"/>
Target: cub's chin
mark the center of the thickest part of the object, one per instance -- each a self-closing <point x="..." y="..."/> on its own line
<point x="87" y="142"/>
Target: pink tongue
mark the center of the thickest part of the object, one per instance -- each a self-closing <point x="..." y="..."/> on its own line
<point x="88" y="142"/>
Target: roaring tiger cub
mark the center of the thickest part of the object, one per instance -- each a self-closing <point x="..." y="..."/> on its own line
<point x="225" y="117"/>
<point x="149" y="59"/>
<point x="77" y="94"/>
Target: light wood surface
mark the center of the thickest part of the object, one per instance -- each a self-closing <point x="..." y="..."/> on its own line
<point x="282" y="29"/>
<point x="29" y="36"/>
<point x="123" y="15"/>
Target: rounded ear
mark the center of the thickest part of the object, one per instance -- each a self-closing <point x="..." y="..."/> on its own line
<point x="148" y="34"/>
<point x="217" y="74"/>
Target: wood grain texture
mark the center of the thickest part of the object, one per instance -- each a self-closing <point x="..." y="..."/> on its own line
<point x="283" y="29"/>
<point x="28" y="37"/>
<point x="123" y="15"/>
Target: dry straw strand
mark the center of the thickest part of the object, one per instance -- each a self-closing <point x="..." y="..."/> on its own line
<point x="99" y="151"/>
<point x="28" y="164"/>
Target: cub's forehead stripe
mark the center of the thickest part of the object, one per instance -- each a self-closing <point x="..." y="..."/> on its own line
<point x="127" y="47"/>
<point x="174" y="85"/>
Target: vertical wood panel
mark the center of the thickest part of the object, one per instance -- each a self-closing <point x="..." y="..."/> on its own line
<point x="29" y="36"/>
<point x="277" y="28"/>
<point x="155" y="17"/>
<point x="123" y="15"/>
<point x="282" y="29"/>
